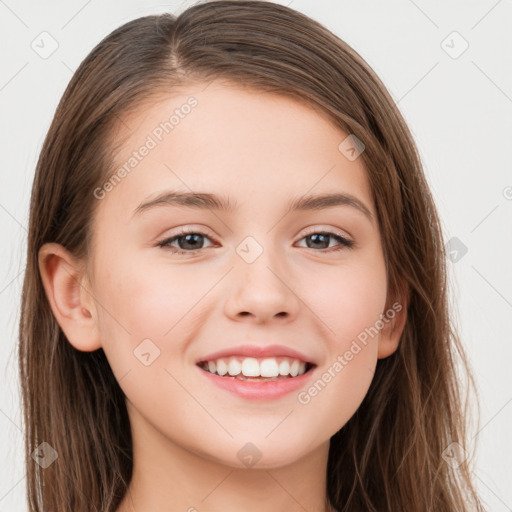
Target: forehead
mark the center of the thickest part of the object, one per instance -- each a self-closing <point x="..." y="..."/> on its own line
<point x="221" y="138"/>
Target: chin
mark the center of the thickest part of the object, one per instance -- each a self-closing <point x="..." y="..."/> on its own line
<point x="259" y="454"/>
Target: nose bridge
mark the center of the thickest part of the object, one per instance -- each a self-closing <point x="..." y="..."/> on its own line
<point x="259" y="285"/>
<point x="258" y="263"/>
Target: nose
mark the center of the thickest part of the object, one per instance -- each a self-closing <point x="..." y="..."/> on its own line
<point x="261" y="291"/>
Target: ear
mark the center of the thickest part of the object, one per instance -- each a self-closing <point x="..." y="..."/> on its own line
<point x="66" y="287"/>
<point x="396" y="316"/>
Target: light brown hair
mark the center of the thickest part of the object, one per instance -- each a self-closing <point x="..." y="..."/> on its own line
<point x="388" y="456"/>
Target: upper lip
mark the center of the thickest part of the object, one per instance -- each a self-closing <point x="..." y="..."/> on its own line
<point x="257" y="351"/>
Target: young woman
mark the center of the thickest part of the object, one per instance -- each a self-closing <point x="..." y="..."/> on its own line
<point x="235" y="295"/>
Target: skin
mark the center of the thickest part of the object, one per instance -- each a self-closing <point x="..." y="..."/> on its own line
<point x="261" y="150"/>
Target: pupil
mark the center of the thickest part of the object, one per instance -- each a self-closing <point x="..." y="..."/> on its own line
<point x="317" y="238"/>
<point x="188" y="240"/>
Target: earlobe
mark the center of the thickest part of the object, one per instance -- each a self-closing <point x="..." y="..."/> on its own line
<point x="389" y="337"/>
<point x="70" y="301"/>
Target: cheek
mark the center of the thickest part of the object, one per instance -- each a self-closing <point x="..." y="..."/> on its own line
<point x="350" y="306"/>
<point x="147" y="316"/>
<point x="147" y="301"/>
<point x="338" y="391"/>
<point x="348" y="300"/>
<point x="354" y="299"/>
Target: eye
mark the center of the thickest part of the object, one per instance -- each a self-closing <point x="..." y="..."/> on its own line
<point x="322" y="239"/>
<point x="188" y="242"/>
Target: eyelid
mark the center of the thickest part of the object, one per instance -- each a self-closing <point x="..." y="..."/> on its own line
<point x="331" y="230"/>
<point x="184" y="231"/>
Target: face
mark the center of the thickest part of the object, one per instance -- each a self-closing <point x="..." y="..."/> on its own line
<point x="180" y="281"/>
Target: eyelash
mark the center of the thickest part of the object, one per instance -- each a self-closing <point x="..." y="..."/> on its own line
<point x="344" y="242"/>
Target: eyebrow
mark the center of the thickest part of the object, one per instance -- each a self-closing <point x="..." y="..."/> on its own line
<point x="205" y="201"/>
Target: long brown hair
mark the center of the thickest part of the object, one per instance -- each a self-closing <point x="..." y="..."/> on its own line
<point x="390" y="456"/>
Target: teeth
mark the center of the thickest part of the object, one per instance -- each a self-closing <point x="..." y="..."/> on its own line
<point x="250" y="367"/>
<point x="284" y="367"/>
<point x="294" y="368"/>
<point x="270" y="367"/>
<point x="222" y="367"/>
<point x="234" y="367"/>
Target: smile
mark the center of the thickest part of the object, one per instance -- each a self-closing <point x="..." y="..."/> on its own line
<point x="252" y="368"/>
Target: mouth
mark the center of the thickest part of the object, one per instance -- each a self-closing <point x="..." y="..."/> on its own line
<point x="267" y="369"/>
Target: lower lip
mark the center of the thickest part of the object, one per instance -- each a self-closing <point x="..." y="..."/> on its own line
<point x="256" y="389"/>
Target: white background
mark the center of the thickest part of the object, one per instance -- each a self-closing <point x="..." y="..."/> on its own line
<point x="459" y="110"/>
